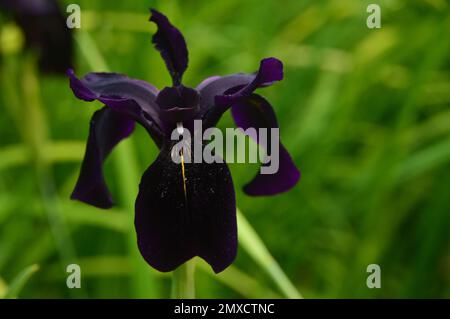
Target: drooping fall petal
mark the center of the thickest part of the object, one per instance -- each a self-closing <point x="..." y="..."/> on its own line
<point x="131" y="97"/>
<point x="108" y="127"/>
<point x="182" y="210"/>
<point x="186" y="212"/>
<point x="255" y="112"/>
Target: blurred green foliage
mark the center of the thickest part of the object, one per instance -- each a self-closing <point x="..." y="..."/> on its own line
<point x="363" y="112"/>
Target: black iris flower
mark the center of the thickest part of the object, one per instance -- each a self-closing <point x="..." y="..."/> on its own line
<point x="186" y="209"/>
<point x="45" y="30"/>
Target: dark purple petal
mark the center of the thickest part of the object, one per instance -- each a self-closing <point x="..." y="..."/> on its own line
<point x="214" y="86"/>
<point x="131" y="97"/>
<point x="29" y="7"/>
<point x="285" y="179"/>
<point x="173" y="226"/>
<point x="207" y="81"/>
<point x="178" y="104"/>
<point x="255" y="112"/>
<point x="270" y="71"/>
<point x="219" y="93"/>
<point x="107" y="128"/>
<point x="169" y="41"/>
<point x="45" y="29"/>
<point x="177" y="96"/>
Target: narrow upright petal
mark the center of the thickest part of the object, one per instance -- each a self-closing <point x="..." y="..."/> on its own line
<point x="132" y="97"/>
<point x="254" y="111"/>
<point x="186" y="210"/>
<point x="108" y="127"/>
<point x="169" y="41"/>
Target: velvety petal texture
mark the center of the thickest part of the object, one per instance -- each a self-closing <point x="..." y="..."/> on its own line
<point x="44" y="26"/>
<point x="177" y="97"/>
<point x="219" y="93"/>
<point x="255" y="112"/>
<point x="177" y="104"/>
<point x="270" y="71"/>
<point x="207" y="81"/>
<point x="169" y="41"/>
<point x="182" y="213"/>
<point x="182" y="209"/>
<point x="217" y="86"/>
<point x="131" y="97"/>
<point x="107" y="128"/>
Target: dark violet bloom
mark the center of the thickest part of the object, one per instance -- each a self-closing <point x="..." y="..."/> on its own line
<point x="45" y="30"/>
<point x="183" y="210"/>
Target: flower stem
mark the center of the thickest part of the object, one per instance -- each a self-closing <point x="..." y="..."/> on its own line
<point x="183" y="282"/>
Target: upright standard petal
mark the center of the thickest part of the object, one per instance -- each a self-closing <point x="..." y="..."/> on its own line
<point x="132" y="97"/>
<point x="219" y="93"/>
<point x="255" y="112"/>
<point x="108" y="127"/>
<point x="186" y="210"/>
<point x="169" y="41"/>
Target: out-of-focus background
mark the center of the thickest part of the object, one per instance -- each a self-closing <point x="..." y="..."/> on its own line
<point x="364" y="112"/>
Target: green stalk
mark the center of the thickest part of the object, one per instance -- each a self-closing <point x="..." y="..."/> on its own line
<point x="16" y="286"/>
<point x="253" y="244"/>
<point x="25" y="102"/>
<point x="36" y="136"/>
<point x="183" y="281"/>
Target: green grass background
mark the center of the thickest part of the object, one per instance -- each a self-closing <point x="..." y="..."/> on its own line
<point x="363" y="112"/>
